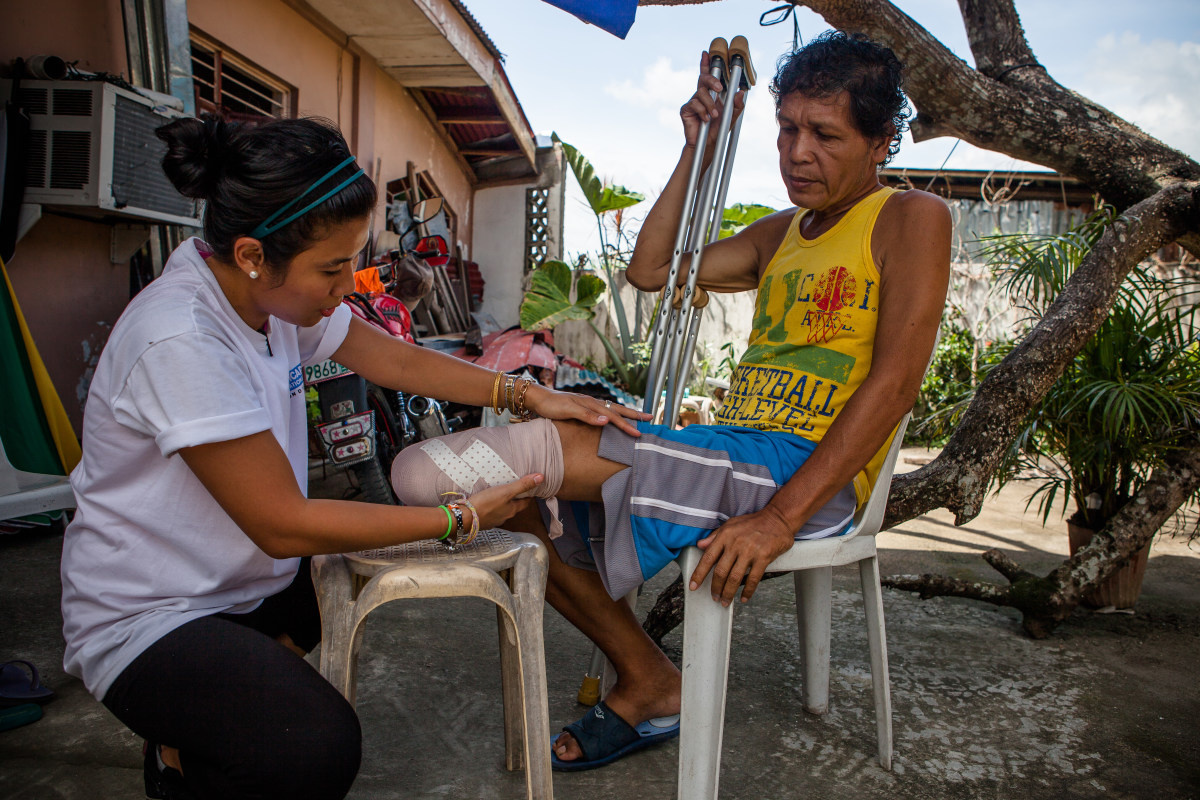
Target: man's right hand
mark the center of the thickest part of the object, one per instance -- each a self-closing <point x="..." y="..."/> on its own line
<point x="704" y="106"/>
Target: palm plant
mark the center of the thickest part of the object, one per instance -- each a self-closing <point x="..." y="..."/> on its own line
<point x="1130" y="396"/>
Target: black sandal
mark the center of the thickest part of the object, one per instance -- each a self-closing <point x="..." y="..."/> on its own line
<point x="604" y="737"/>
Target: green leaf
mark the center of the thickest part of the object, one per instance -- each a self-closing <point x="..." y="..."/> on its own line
<point x="600" y="196"/>
<point x="588" y="288"/>
<point x="739" y="215"/>
<point x="548" y="301"/>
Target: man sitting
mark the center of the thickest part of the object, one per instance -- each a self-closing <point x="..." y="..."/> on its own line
<point x="851" y="285"/>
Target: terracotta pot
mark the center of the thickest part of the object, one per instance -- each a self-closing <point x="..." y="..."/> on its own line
<point x="1122" y="588"/>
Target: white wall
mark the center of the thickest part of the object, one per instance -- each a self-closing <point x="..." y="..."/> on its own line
<point x="498" y="245"/>
<point x="499" y="249"/>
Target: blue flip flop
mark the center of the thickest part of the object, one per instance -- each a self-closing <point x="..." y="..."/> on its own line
<point x="20" y="715"/>
<point x="604" y="737"/>
<point x="19" y="686"/>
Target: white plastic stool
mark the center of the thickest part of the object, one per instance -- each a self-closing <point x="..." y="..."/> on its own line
<point x="707" y="626"/>
<point x="509" y="569"/>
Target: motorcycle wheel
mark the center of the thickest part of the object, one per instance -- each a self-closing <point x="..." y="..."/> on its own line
<point x="374" y="476"/>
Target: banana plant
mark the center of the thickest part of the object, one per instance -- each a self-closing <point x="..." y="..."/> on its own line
<point x="739" y="215"/>
<point x="604" y="198"/>
<point x="548" y="303"/>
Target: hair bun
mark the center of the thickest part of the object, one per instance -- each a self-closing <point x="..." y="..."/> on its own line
<point x="196" y="152"/>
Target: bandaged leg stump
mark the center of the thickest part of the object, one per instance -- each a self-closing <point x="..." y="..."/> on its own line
<point x="472" y="460"/>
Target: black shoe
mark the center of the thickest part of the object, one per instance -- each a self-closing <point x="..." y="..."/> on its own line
<point x="161" y="784"/>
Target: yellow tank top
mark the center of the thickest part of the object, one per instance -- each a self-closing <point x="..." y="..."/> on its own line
<point x="814" y="329"/>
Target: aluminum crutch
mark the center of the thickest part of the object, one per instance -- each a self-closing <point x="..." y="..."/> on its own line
<point x="699" y="224"/>
<point x="703" y="227"/>
<point x="718" y="57"/>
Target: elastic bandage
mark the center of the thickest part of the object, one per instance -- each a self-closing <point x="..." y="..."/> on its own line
<point x="470" y="461"/>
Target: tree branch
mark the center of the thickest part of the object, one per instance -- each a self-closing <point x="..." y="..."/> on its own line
<point x="1131" y="528"/>
<point x="929" y="585"/>
<point x="959" y="477"/>
<point x="1044" y="602"/>
<point x="1022" y="114"/>
<point x="1006" y="566"/>
<point x="998" y="42"/>
<point x="667" y="612"/>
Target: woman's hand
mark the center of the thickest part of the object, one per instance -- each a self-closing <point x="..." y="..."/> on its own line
<point x="552" y="404"/>
<point x="741" y="548"/>
<point x="496" y="504"/>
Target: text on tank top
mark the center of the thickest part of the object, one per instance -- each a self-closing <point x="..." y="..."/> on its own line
<point x="814" y="330"/>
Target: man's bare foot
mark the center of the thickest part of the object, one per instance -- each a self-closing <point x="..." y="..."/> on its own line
<point x="634" y="701"/>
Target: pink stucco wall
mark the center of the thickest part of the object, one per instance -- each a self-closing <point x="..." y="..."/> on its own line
<point x="68" y="289"/>
<point x="70" y="292"/>
<point x="389" y="127"/>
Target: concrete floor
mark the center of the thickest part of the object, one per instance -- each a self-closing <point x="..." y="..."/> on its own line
<point x="1106" y="707"/>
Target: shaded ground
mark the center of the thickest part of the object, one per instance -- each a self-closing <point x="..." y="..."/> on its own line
<point x="1106" y="707"/>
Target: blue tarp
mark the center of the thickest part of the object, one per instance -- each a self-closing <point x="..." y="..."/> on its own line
<point x="614" y="16"/>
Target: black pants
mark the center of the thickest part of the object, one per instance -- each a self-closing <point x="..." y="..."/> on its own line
<point x="250" y="718"/>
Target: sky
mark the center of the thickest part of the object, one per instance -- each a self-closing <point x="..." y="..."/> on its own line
<point x="618" y="100"/>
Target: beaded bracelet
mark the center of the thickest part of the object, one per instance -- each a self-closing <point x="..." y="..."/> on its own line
<point x="460" y="540"/>
<point x="456" y="524"/>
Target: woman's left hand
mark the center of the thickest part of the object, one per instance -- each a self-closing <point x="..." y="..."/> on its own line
<point x="568" y="405"/>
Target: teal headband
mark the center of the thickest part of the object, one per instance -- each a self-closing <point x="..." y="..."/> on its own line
<point x="269" y="225"/>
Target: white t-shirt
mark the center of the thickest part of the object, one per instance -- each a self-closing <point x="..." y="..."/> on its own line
<point x="149" y="548"/>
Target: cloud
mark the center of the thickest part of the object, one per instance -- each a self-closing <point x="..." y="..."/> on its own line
<point x="663" y="89"/>
<point x="1150" y="83"/>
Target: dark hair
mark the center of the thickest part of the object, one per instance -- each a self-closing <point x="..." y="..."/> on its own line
<point x="247" y="171"/>
<point x="870" y="73"/>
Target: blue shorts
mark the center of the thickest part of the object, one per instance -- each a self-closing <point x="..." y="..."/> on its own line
<point x="680" y="486"/>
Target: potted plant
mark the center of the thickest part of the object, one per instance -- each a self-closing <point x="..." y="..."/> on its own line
<point x="1129" y="397"/>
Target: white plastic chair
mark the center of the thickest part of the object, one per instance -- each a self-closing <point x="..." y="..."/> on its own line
<point x="23" y="493"/>
<point x="509" y="569"/>
<point x="707" y="626"/>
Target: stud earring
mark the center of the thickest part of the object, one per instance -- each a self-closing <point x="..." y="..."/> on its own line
<point x="253" y="274"/>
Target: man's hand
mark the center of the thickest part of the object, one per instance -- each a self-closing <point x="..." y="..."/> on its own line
<point x="742" y="548"/>
<point x="704" y="106"/>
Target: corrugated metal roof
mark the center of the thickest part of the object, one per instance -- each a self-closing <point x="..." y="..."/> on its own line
<point x="475" y="26"/>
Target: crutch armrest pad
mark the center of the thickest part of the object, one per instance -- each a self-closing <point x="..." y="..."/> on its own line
<point x="719" y="49"/>
<point x="740" y="48"/>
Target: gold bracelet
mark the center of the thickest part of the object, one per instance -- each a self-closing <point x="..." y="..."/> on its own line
<point x="496" y="392"/>
<point x="522" y="413"/>
<point x="510" y="384"/>
<point x="474" y="521"/>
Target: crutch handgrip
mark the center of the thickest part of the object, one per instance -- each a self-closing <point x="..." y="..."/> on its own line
<point x="699" y="298"/>
<point x="719" y="49"/>
<point x="740" y="48"/>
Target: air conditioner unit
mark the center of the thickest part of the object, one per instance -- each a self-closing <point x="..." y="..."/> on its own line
<point x="92" y="148"/>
